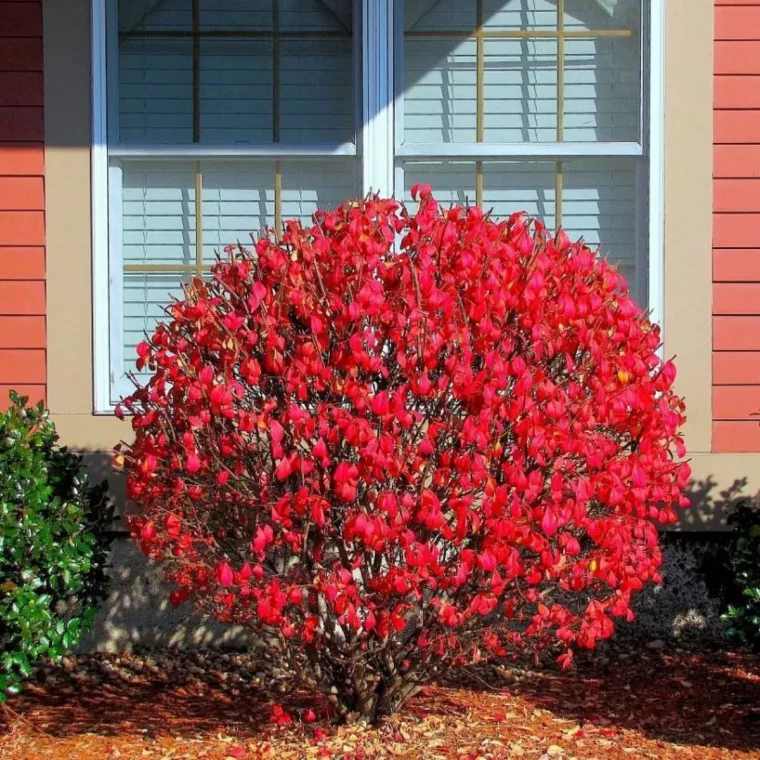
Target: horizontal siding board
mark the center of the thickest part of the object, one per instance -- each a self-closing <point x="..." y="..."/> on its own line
<point x="22" y="228"/>
<point x="736" y="333"/>
<point x="736" y="161"/>
<point x="22" y="263"/>
<point x="22" y="123"/>
<point x="34" y="393"/>
<point x="737" y="92"/>
<point x="21" y="88"/>
<point x="22" y="159"/>
<point x="22" y="202"/>
<point x="736" y="230"/>
<point x="736" y="195"/>
<point x="22" y="366"/>
<point x="20" y="19"/>
<point x="737" y="57"/>
<point x="22" y="194"/>
<point x="737" y="367"/>
<point x="736" y="298"/>
<point x="22" y="332"/>
<point x="737" y="22"/>
<point x="736" y="265"/>
<point x="736" y="436"/>
<point x="21" y="55"/>
<point x="22" y="297"/>
<point x="736" y="127"/>
<point x="736" y="227"/>
<point x="736" y="402"/>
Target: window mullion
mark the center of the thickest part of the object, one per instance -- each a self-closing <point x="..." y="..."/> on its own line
<point x="377" y="94"/>
<point x="198" y="209"/>
<point x="276" y="113"/>
<point x="479" y="96"/>
<point x="558" y="182"/>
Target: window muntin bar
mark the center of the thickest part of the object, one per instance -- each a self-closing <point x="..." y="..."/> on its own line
<point x="591" y="69"/>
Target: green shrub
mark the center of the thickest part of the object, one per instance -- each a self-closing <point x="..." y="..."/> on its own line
<point x="742" y="613"/>
<point x="54" y="540"/>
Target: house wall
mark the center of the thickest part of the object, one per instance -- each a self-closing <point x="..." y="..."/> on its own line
<point x="723" y="441"/>
<point x="137" y="609"/>
<point x="22" y="201"/>
<point x="736" y="235"/>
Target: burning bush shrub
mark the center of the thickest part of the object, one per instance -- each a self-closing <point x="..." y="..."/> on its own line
<point x="396" y="461"/>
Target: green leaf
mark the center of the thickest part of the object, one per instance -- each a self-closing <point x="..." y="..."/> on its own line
<point x="54" y="543"/>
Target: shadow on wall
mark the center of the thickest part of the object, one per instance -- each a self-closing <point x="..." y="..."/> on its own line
<point x="137" y="611"/>
<point x="710" y="507"/>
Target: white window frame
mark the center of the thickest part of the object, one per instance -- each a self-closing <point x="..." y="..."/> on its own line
<point x="379" y="143"/>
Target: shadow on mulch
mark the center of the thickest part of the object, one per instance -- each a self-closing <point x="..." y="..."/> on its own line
<point x="150" y="706"/>
<point x="708" y="699"/>
<point x="700" y="698"/>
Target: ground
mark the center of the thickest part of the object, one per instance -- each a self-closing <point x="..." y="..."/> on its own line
<point x="634" y="701"/>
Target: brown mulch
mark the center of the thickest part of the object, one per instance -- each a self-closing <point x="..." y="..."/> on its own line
<point x="631" y="702"/>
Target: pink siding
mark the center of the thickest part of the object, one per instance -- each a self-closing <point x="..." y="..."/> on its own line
<point x="22" y="201"/>
<point x="736" y="227"/>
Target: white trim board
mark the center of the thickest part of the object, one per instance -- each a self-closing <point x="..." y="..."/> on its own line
<point x="101" y="355"/>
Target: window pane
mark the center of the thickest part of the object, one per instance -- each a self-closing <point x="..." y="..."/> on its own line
<point x="599" y="204"/>
<point x="520" y="90"/>
<point x="316" y="91"/>
<point x="522" y="50"/>
<point x="453" y="182"/>
<point x="439" y="15"/>
<point x="260" y="80"/>
<point x="158" y="222"/>
<point x="502" y="15"/>
<point x="238" y="199"/>
<point x="602" y="14"/>
<point x="236" y="80"/>
<point x="155" y="90"/>
<point x="158" y="203"/>
<point x="216" y="15"/>
<point x="521" y="186"/>
<point x="146" y="296"/>
<point x="308" y="186"/>
<point x="257" y="15"/>
<point x="158" y="213"/>
<point x="316" y="15"/>
<point x="603" y="74"/>
<point x="155" y="15"/>
<point x="602" y="89"/>
<point x="440" y="97"/>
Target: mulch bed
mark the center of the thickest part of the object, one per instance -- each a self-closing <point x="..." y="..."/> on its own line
<point x="645" y="701"/>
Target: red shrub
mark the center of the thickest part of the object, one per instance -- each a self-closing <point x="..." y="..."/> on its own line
<point x="395" y="463"/>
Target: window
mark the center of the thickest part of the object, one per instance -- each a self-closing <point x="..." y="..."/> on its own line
<point x="217" y="118"/>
